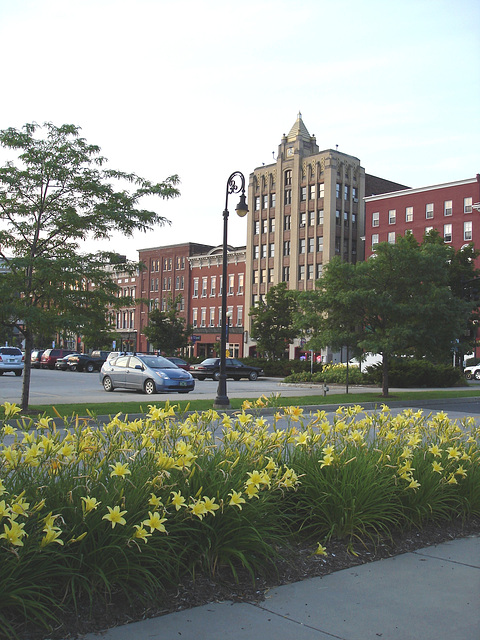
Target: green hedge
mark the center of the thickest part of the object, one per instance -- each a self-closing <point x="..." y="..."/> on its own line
<point x="406" y="372"/>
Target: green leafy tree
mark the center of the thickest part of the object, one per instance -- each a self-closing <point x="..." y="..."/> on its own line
<point x="55" y="195"/>
<point x="273" y="321"/>
<point x="397" y="303"/>
<point x="167" y="330"/>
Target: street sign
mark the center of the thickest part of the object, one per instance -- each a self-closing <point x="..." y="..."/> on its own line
<point x="196" y="338"/>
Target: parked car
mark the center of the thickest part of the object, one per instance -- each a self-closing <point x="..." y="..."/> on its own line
<point x="50" y="357"/>
<point x="87" y="361"/>
<point x="181" y="364"/>
<point x="150" y="374"/>
<point x="62" y="363"/>
<point x="11" y="360"/>
<point x="210" y="368"/>
<point x="472" y="372"/>
<point x="36" y="358"/>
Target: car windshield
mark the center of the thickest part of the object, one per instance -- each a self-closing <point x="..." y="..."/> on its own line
<point x="210" y="361"/>
<point x="157" y="362"/>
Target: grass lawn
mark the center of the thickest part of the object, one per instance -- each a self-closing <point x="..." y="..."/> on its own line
<point x="140" y="407"/>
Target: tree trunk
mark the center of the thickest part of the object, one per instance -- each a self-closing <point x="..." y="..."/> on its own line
<point x="384" y="375"/>
<point x="27" y="370"/>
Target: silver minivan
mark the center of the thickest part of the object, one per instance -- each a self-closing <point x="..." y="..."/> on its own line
<point x="11" y="359"/>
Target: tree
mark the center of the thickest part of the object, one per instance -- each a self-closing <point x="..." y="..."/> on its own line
<point x="398" y="303"/>
<point x="273" y="321"/>
<point x="330" y="315"/>
<point x="56" y="195"/>
<point x="166" y="330"/>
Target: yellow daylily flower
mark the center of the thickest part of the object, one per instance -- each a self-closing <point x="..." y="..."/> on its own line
<point x="14" y="533"/>
<point x="210" y="506"/>
<point x="198" y="509"/>
<point x="236" y="499"/>
<point x="10" y="410"/>
<point x="115" y="516"/>
<point x="90" y="504"/>
<point x="320" y="550"/>
<point x="155" y="522"/>
<point x="120" y="470"/>
<point x="437" y="467"/>
<point x="178" y="500"/>
<point x="435" y="450"/>
<point x="141" y="533"/>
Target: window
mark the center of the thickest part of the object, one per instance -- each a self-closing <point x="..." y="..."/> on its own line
<point x="204" y="287"/>
<point x="375" y="219"/>
<point x="272" y="225"/>
<point x="164" y="284"/>
<point x="286" y="248"/>
<point x="408" y="214"/>
<point x="355" y="194"/>
<point x="255" y="276"/>
<point x="311" y="192"/>
<point x="177" y="282"/>
<point x="346" y="190"/>
<point x="337" y="217"/>
<point x="263" y="276"/>
<point x="428" y="229"/>
<point x="391" y="237"/>
<point x="467" y="205"/>
<point x="447" y="207"/>
<point x="270" y="275"/>
<point x="265" y="201"/>
<point x="257" y="203"/>
<point x="255" y="251"/>
<point x="273" y="197"/>
<point x="287" y="223"/>
<point x="212" y="317"/>
<point x="203" y="320"/>
<point x="321" y="190"/>
<point x="195" y="287"/>
<point x="301" y="272"/>
<point x="231" y="284"/>
<point x="288" y="196"/>
<point x="319" y="270"/>
<point x="195" y="317"/>
<point x="311" y="218"/>
<point x="288" y="177"/>
<point x="213" y="285"/>
<point x="182" y="282"/>
<point x="239" y="316"/>
<point x="303" y="218"/>
<point x="264" y="225"/>
<point x="337" y="191"/>
<point x="447" y="232"/>
<point x="392" y="216"/>
<point x="240" y="283"/>
<point x="429" y="210"/>
<point x="467" y="231"/>
<point x="264" y="251"/>
<point x="320" y="217"/>
<point x="303" y="194"/>
<point x="285" y="274"/>
<point x="256" y="227"/>
<point x="320" y="243"/>
<point x="271" y="250"/>
<point x="310" y="272"/>
<point x="374" y="239"/>
<point x="311" y="245"/>
<point x="301" y="246"/>
<point x="170" y="261"/>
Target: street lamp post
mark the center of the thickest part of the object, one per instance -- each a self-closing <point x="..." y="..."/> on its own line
<point x="235" y="184"/>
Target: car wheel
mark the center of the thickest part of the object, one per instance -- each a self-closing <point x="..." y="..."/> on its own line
<point x="184" y="391"/>
<point x="477" y="374"/>
<point x="149" y="387"/>
<point x="1" y="373"/>
<point x="216" y="376"/>
<point x="107" y="384"/>
<point x="90" y="367"/>
<point x="18" y="373"/>
<point x="236" y="378"/>
<point x="73" y="367"/>
<point x="468" y="375"/>
<point x="200" y="377"/>
<point x="253" y="375"/>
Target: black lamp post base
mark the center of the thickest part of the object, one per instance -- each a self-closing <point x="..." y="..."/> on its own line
<point x="222" y="403"/>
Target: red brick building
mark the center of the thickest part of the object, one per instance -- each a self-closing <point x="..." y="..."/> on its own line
<point x="206" y="301"/>
<point x="451" y="208"/>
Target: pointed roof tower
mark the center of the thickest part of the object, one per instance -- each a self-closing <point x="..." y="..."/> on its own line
<point x="299" y="130"/>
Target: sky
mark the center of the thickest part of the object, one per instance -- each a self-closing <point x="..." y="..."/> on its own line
<point x="203" y="88"/>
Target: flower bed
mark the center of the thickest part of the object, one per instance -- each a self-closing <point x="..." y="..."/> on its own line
<point x="88" y="510"/>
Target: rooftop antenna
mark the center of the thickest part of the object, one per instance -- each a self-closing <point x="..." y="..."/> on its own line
<point x="273" y="154"/>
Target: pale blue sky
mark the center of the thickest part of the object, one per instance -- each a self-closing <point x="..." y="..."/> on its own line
<point x="203" y="88"/>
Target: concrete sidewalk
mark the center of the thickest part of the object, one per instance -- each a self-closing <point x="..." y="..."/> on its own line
<point x="429" y="594"/>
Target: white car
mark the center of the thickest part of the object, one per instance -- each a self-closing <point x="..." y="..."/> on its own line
<point x="472" y="372"/>
<point x="11" y="359"/>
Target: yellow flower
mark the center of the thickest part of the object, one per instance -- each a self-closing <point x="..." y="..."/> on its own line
<point x="120" y="469"/>
<point x="155" y="522"/>
<point x="2" y="488"/>
<point x="66" y="450"/>
<point x="251" y="490"/>
<point x="210" y="506"/>
<point x="453" y="452"/>
<point x="10" y="410"/>
<point x="14" y="533"/>
<point x="19" y="506"/>
<point x="321" y="550"/>
<point x="178" y="500"/>
<point x="435" y="450"/>
<point x="326" y="461"/>
<point x="452" y="479"/>
<point x="51" y="535"/>
<point x="236" y="499"/>
<point x="406" y="453"/>
<point x="255" y="478"/>
<point x="115" y="516"/>
<point x="437" y="467"/>
<point x="154" y="501"/>
<point x="461" y="471"/>
<point x="44" y="422"/>
<point x="90" y="504"/>
<point x="141" y="533"/>
<point x="246" y="405"/>
<point x="198" y="509"/>
<point x="414" y="484"/>
<point x="303" y="438"/>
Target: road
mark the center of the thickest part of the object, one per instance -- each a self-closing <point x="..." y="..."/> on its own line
<point x="60" y="387"/>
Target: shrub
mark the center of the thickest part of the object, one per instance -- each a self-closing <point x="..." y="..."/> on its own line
<point x="407" y="372"/>
<point x="331" y="373"/>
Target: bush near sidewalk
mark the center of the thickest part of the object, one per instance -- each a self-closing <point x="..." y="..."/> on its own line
<point x="89" y="510"/>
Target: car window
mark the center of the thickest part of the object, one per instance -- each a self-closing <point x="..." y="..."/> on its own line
<point x="157" y="362"/>
<point x="122" y="361"/>
<point x="237" y="363"/>
<point x="134" y="362"/>
<point x="10" y="351"/>
<point x="210" y="361"/>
